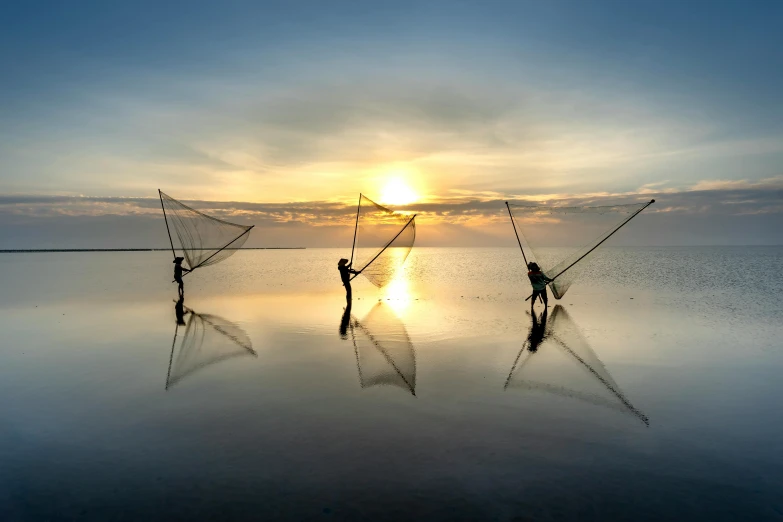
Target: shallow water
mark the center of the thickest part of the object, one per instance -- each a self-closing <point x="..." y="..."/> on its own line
<point x="654" y="394"/>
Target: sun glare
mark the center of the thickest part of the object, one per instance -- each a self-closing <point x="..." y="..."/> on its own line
<point x="397" y="192"/>
<point x="397" y="294"/>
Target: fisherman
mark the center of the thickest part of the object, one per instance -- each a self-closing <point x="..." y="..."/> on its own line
<point x="345" y="275"/>
<point x="539" y="282"/>
<point x="178" y="269"/>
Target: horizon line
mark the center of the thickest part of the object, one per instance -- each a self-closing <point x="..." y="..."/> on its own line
<point x="65" y="250"/>
<point x="22" y="250"/>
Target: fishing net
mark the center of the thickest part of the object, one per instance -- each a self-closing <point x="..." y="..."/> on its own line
<point x="563" y="240"/>
<point x="384" y="352"/>
<point x="384" y="239"/>
<point x="565" y="365"/>
<point x="208" y="340"/>
<point x="201" y="239"/>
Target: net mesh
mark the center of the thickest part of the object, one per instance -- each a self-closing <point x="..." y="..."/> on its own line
<point x="384" y="352"/>
<point x="207" y="340"/>
<point x="563" y="240"/>
<point x="203" y="240"/>
<point x="384" y="239"/>
<point x="564" y="364"/>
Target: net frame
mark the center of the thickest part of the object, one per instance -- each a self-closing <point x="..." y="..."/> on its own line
<point x="626" y="211"/>
<point x="191" y="240"/>
<point x="371" y="263"/>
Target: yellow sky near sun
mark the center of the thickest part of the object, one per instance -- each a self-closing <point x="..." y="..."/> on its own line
<point x="388" y="184"/>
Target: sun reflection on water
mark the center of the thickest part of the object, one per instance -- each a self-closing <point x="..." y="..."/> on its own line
<point x="398" y="295"/>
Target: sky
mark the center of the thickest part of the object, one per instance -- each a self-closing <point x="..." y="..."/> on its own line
<point x="279" y="114"/>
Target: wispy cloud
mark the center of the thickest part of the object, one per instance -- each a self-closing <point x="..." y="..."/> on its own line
<point x="773" y="184"/>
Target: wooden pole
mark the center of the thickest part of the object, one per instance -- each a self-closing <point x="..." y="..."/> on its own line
<point x="516" y="233"/>
<point x="160" y="195"/>
<point x="355" y="228"/>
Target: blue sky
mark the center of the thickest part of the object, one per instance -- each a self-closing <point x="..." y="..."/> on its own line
<point x="301" y="102"/>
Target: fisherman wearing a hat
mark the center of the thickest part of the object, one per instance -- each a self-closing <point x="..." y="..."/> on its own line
<point x="178" y="269"/>
<point x="539" y="282"/>
<point x="345" y="275"/>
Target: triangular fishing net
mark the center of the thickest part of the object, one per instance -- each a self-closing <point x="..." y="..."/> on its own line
<point x="384" y="352"/>
<point x="207" y="340"/>
<point x="565" y="365"/>
<point x="563" y="240"/>
<point x="384" y="239"/>
<point x="201" y="239"/>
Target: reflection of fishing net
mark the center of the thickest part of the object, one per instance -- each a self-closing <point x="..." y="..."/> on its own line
<point x="202" y="240"/>
<point x="208" y="340"/>
<point x="565" y="365"/>
<point x="384" y="239"/>
<point x="384" y="352"/>
<point x="563" y="239"/>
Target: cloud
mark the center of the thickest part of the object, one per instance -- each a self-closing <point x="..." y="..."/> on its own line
<point x="717" y="196"/>
<point x="775" y="183"/>
<point x="460" y="218"/>
<point x="315" y="131"/>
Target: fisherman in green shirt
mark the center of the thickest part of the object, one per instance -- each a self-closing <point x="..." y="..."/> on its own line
<point x="539" y="282"/>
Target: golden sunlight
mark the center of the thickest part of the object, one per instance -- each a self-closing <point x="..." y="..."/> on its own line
<point x="398" y="295"/>
<point x="397" y="192"/>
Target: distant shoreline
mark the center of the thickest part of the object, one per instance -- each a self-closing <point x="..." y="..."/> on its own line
<point x="33" y="250"/>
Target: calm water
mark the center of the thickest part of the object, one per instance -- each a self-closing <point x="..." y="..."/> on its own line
<point x="655" y="393"/>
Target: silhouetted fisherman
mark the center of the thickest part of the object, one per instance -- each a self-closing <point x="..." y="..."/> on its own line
<point x="179" y="310"/>
<point x="345" y="321"/>
<point x="345" y="275"/>
<point x="537" y="332"/>
<point x="539" y="282"/>
<point x="178" y="269"/>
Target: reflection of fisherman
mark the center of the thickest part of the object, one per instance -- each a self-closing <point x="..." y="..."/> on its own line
<point x="179" y="310"/>
<point x="345" y="321"/>
<point x="178" y="269"/>
<point x="537" y="332"/>
<point x="345" y="275"/>
<point x="539" y="282"/>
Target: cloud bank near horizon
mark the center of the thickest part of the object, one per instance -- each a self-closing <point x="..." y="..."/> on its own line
<point x="709" y="212"/>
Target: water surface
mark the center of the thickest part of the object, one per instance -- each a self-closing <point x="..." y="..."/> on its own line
<point x="653" y="395"/>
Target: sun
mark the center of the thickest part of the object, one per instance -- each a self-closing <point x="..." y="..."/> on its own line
<point x="397" y="192"/>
